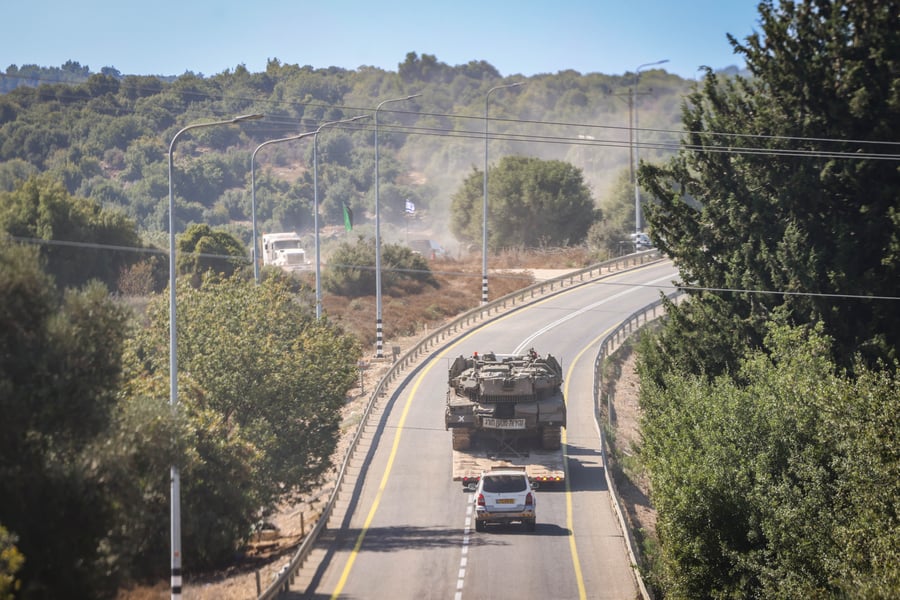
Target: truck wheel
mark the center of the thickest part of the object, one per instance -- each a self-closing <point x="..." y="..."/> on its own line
<point x="551" y="438"/>
<point x="462" y="439"/>
<point x="479" y="525"/>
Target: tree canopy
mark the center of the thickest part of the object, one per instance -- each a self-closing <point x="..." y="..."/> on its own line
<point x="105" y="136"/>
<point x="202" y="249"/>
<point x="781" y="481"/>
<point x="771" y="395"/>
<point x="79" y="240"/>
<point x="782" y="188"/>
<point x="531" y="202"/>
<point x="87" y="429"/>
<point x="60" y="368"/>
<point x="266" y="367"/>
<point x="11" y="561"/>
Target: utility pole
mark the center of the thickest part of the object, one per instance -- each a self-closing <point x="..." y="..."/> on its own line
<point x="630" y="98"/>
<point x="637" y="145"/>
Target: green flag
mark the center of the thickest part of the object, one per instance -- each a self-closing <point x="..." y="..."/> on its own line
<point x="348" y="218"/>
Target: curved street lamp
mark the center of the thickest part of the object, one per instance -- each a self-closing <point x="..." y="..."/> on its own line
<point x="484" y="207"/>
<point x="637" y="159"/>
<point x="378" y="312"/>
<point x="175" y="509"/>
<point x="316" y="204"/>
<point x="255" y="253"/>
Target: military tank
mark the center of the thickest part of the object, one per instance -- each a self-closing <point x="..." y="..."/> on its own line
<point x="512" y="402"/>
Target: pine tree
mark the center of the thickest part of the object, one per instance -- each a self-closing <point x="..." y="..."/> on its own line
<point x="787" y="182"/>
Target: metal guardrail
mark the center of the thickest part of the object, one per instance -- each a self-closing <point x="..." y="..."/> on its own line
<point x="609" y="344"/>
<point x="481" y="314"/>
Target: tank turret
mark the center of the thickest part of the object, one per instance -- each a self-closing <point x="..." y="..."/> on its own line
<point x="505" y="400"/>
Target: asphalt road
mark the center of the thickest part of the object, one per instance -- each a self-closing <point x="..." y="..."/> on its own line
<point x="405" y="530"/>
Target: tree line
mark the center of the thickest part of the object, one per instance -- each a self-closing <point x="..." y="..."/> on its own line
<point x="105" y="137"/>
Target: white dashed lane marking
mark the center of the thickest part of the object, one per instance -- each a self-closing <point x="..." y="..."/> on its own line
<point x="464" y="558"/>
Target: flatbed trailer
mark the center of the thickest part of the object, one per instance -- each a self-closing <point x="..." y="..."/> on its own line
<point x="543" y="467"/>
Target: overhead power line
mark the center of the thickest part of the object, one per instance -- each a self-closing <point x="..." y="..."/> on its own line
<point x="158" y="251"/>
<point x="739" y="146"/>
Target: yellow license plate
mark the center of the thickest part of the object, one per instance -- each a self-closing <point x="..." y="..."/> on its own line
<point x="505" y="501"/>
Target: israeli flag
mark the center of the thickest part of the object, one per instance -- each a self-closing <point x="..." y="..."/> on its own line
<point x="410" y="207"/>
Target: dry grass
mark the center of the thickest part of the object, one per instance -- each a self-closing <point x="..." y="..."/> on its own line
<point x="459" y="289"/>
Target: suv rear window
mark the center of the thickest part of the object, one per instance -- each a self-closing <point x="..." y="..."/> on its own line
<point x="504" y="484"/>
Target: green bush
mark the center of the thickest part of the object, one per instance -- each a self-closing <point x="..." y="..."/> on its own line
<point x="351" y="270"/>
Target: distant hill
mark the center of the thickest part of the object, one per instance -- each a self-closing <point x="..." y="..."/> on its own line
<point x="106" y="136"/>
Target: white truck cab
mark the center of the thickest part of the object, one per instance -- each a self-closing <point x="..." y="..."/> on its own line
<point x="284" y="250"/>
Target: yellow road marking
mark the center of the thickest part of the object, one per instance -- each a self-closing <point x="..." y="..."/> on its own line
<point x="570" y="518"/>
<point x="345" y="574"/>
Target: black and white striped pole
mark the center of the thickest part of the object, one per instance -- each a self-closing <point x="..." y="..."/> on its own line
<point x="484" y="208"/>
<point x="379" y="333"/>
<point x="175" y="503"/>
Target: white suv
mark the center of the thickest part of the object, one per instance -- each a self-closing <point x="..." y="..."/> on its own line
<point x="641" y="241"/>
<point x="504" y="496"/>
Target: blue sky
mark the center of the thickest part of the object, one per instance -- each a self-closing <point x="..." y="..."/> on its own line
<point x="524" y="37"/>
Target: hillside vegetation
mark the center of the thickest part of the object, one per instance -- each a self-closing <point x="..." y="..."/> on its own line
<point x="106" y="136"/>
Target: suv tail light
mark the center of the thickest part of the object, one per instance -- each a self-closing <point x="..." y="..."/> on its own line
<point x="480" y="499"/>
<point x="529" y="499"/>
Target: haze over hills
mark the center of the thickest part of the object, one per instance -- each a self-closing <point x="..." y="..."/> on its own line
<point x="106" y="134"/>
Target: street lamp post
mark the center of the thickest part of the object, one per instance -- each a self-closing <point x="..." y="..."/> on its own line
<point x="484" y="206"/>
<point x="637" y="159"/>
<point x="254" y="254"/>
<point x="175" y="508"/>
<point x="378" y="312"/>
<point x="316" y="205"/>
